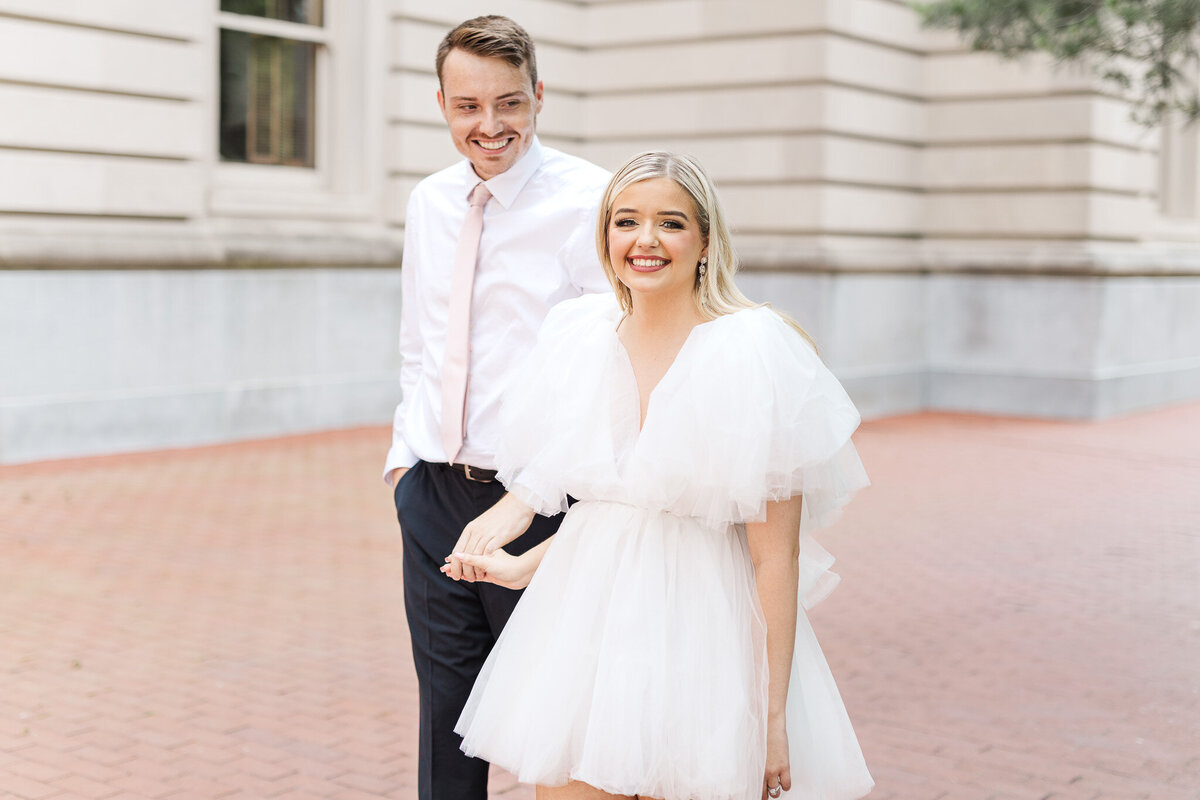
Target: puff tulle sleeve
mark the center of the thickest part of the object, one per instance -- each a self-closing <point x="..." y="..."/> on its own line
<point x="553" y="425"/>
<point x="759" y="418"/>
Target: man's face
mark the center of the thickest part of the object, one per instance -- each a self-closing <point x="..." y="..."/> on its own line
<point x="491" y="109"/>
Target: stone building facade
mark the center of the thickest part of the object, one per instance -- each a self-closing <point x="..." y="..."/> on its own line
<point x="957" y="232"/>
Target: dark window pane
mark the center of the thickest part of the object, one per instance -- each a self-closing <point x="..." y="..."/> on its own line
<point x="266" y="99"/>
<point x="235" y="61"/>
<point x="306" y="11"/>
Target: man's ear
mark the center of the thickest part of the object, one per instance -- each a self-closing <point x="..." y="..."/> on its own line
<point x="537" y="94"/>
<point x="441" y="101"/>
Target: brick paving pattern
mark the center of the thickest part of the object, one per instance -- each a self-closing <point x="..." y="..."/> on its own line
<point x="1019" y="617"/>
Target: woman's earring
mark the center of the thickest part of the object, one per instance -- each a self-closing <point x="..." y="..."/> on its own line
<point x="703" y="265"/>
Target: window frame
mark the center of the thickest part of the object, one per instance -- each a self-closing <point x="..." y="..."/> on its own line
<point x="1177" y="193"/>
<point x="340" y="184"/>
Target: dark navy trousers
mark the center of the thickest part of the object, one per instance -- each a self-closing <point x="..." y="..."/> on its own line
<point x="453" y="625"/>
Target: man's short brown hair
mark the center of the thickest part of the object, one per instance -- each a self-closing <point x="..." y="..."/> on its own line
<point x="492" y="36"/>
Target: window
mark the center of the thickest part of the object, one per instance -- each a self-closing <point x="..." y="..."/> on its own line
<point x="304" y="11"/>
<point x="298" y="119"/>
<point x="269" y="51"/>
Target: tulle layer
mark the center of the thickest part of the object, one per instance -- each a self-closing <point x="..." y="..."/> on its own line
<point x="635" y="662"/>
<point x="561" y="412"/>
<point x="747" y="414"/>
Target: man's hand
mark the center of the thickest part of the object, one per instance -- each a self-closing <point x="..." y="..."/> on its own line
<point x="488" y="532"/>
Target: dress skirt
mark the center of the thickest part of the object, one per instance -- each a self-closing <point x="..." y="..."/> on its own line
<point x="636" y="663"/>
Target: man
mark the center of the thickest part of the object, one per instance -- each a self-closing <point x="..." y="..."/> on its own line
<point x="472" y="304"/>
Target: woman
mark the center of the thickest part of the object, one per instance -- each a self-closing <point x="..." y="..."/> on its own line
<point x="659" y="651"/>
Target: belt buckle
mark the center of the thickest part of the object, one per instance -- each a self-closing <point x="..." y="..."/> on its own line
<point x="467" y="471"/>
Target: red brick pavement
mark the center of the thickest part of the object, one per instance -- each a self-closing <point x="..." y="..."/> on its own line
<point x="1019" y="617"/>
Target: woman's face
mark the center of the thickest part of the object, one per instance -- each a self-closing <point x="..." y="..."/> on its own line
<point x="654" y="239"/>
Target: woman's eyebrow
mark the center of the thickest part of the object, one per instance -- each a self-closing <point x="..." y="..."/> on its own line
<point x="661" y="213"/>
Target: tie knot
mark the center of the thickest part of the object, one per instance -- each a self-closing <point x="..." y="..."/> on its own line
<point x="480" y="195"/>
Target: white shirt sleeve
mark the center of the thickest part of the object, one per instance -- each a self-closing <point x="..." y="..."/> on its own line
<point x="400" y="454"/>
<point x="579" y="259"/>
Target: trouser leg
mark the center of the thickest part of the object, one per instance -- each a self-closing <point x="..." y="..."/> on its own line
<point x="453" y="625"/>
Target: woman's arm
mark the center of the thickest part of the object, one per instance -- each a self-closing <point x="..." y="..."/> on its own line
<point x="775" y="551"/>
<point x="511" y="572"/>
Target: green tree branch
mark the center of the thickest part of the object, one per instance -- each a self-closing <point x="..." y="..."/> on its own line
<point x="1146" y="50"/>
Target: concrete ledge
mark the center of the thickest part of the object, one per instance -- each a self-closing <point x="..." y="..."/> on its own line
<point x="1131" y="393"/>
<point x="1011" y="395"/>
<point x="37" y="430"/>
<point x="884" y="395"/>
<point x="107" y="243"/>
<point x="1059" y="398"/>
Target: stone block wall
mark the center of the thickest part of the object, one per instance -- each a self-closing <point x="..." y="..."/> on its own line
<point x="956" y="231"/>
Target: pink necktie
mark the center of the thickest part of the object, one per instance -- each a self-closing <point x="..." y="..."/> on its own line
<point x="458" y="329"/>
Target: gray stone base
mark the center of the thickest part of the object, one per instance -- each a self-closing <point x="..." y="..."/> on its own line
<point x="40" y="430"/>
<point x="1060" y="398"/>
<point x="109" y="361"/>
<point x="1085" y="347"/>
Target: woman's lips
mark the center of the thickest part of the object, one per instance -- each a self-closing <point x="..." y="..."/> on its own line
<point x="646" y="264"/>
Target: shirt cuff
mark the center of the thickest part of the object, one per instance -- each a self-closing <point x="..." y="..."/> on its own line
<point x="398" y="457"/>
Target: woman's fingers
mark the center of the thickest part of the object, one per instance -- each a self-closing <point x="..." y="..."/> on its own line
<point x="464" y="567"/>
<point x="777" y="781"/>
<point x="475" y="568"/>
<point x="499" y="568"/>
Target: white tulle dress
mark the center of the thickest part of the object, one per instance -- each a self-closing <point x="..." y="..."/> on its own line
<point x="636" y="659"/>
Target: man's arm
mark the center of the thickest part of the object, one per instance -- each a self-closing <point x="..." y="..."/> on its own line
<point x="578" y="257"/>
<point x="400" y="457"/>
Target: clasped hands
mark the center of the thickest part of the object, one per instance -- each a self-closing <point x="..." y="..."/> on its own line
<point x="478" y="554"/>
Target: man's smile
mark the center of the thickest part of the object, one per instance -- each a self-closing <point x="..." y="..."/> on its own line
<point x="494" y="144"/>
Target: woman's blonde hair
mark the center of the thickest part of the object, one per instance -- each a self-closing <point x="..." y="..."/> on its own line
<point x="715" y="293"/>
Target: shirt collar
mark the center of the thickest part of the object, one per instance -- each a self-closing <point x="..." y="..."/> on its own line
<point x="508" y="184"/>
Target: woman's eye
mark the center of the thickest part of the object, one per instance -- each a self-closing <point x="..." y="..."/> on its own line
<point x="672" y="224"/>
<point x="624" y="223"/>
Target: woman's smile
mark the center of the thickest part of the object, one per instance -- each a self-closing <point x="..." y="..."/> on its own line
<point x="647" y="264"/>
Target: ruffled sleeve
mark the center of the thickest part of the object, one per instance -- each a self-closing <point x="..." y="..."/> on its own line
<point x="749" y="417"/>
<point x="550" y="436"/>
<point x="755" y="417"/>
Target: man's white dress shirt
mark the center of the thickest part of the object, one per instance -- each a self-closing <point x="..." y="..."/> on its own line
<point x="538" y="248"/>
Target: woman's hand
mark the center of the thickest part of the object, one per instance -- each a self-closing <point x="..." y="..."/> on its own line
<point x="500" y="568"/>
<point x="779" y="772"/>
<point x="488" y="532"/>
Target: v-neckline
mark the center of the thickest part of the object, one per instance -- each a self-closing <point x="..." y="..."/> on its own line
<point x="637" y="390"/>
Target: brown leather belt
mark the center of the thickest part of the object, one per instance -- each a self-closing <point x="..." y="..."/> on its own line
<point x="471" y="473"/>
